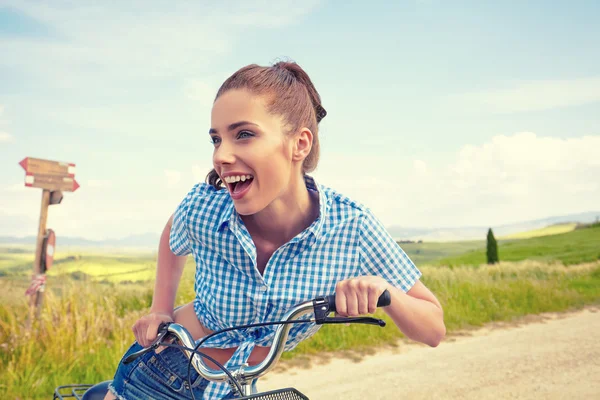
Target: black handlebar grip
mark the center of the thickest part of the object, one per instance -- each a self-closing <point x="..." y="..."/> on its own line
<point x="384" y="300"/>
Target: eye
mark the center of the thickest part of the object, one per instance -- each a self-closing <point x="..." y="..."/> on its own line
<point x="215" y="140"/>
<point x="244" y="134"/>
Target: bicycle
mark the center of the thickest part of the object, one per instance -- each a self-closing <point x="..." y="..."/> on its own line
<point x="242" y="381"/>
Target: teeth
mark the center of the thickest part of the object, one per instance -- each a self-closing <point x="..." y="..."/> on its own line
<point x="237" y="178"/>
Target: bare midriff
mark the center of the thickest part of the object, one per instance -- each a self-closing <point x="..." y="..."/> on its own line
<point x="186" y="316"/>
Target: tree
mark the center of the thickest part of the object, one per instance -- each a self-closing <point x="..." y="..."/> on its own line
<point x="492" y="248"/>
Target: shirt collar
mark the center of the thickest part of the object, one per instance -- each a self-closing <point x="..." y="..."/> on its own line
<point x="229" y="212"/>
<point x="317" y="226"/>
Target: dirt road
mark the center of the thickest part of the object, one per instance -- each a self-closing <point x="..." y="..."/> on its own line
<point x="555" y="356"/>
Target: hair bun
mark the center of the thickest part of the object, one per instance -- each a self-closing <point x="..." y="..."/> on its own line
<point x="301" y="76"/>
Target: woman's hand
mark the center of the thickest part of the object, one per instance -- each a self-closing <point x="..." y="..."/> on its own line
<point x="145" y="329"/>
<point x="359" y="296"/>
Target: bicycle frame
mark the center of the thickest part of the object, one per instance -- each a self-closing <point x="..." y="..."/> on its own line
<point x="246" y="375"/>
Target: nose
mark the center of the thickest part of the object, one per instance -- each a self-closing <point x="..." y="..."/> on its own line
<point x="223" y="154"/>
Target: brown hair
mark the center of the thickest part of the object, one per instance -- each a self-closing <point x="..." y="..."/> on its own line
<point x="290" y="93"/>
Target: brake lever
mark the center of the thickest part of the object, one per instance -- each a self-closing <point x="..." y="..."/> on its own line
<point x="322" y="309"/>
<point x="355" y="320"/>
<point x="163" y="330"/>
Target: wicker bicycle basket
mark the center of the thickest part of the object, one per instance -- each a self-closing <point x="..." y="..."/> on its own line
<point x="280" y="394"/>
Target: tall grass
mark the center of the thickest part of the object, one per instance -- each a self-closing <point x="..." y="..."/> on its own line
<point x="473" y="296"/>
<point x="77" y="337"/>
<point x="85" y="329"/>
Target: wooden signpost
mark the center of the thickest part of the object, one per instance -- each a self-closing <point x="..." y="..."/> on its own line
<point x="53" y="177"/>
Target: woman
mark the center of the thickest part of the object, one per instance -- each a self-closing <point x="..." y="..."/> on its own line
<point x="266" y="236"/>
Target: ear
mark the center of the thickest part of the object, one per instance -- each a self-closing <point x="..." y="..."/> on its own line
<point x="302" y="144"/>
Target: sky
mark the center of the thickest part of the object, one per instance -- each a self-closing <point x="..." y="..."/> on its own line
<point x="440" y="113"/>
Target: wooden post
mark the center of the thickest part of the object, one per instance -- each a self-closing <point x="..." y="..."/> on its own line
<point x="53" y="177"/>
<point x="35" y="301"/>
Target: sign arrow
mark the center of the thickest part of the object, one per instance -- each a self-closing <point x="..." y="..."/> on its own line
<point x="52" y="182"/>
<point x="34" y="166"/>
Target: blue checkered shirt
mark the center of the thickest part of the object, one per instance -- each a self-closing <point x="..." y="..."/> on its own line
<point x="345" y="241"/>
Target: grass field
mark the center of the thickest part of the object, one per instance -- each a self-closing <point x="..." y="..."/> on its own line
<point x="92" y="301"/>
<point x="428" y="252"/>
<point x="549" y="230"/>
<point x="578" y="246"/>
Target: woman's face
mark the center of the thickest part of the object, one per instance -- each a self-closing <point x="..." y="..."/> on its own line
<point x="252" y="152"/>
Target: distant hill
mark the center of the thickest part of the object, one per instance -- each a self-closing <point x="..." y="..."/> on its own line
<point x="150" y="240"/>
<point x="545" y="231"/>
<point x="574" y="247"/>
<point x="479" y="232"/>
<point x="146" y="240"/>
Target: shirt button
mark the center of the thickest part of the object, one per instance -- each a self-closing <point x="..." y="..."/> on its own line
<point x="263" y="288"/>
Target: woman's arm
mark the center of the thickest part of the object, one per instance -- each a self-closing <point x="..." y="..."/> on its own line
<point x="417" y="313"/>
<point x="169" y="269"/>
<point x="414" y="309"/>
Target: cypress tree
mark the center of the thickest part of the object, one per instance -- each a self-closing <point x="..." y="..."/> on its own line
<point x="492" y="248"/>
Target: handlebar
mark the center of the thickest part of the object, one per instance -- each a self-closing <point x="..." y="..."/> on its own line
<point x="321" y="307"/>
<point x="384" y="300"/>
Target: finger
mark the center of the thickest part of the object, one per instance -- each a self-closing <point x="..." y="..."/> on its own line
<point x="151" y="331"/>
<point x="138" y="336"/>
<point x="352" y="304"/>
<point x="373" y="298"/>
<point x="143" y="338"/>
<point x="340" y="303"/>
<point x="363" y="301"/>
<point x="134" y="329"/>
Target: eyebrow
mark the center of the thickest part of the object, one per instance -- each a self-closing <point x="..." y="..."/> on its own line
<point x="233" y="126"/>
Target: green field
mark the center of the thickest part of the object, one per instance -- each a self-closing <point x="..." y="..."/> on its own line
<point x="93" y="299"/>
<point x="109" y="267"/>
<point x="427" y="253"/>
<point x="578" y="246"/>
<point x="549" y="230"/>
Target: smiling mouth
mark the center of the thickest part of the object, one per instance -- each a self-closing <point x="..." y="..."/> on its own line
<point x="238" y="184"/>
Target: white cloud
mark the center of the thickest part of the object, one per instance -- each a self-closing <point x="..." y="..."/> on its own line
<point x="137" y="40"/>
<point x="129" y="39"/>
<point x="15" y="187"/>
<point x="173" y="177"/>
<point x="508" y="179"/>
<point x="200" y="91"/>
<point x="19" y="209"/>
<point x="5" y="137"/>
<point x="18" y="224"/>
<point x="531" y="96"/>
<point x="420" y="166"/>
<point x="199" y="172"/>
<point x="99" y="183"/>
<point x="268" y="14"/>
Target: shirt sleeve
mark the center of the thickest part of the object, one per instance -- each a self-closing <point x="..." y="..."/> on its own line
<point x="179" y="239"/>
<point x="380" y="255"/>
